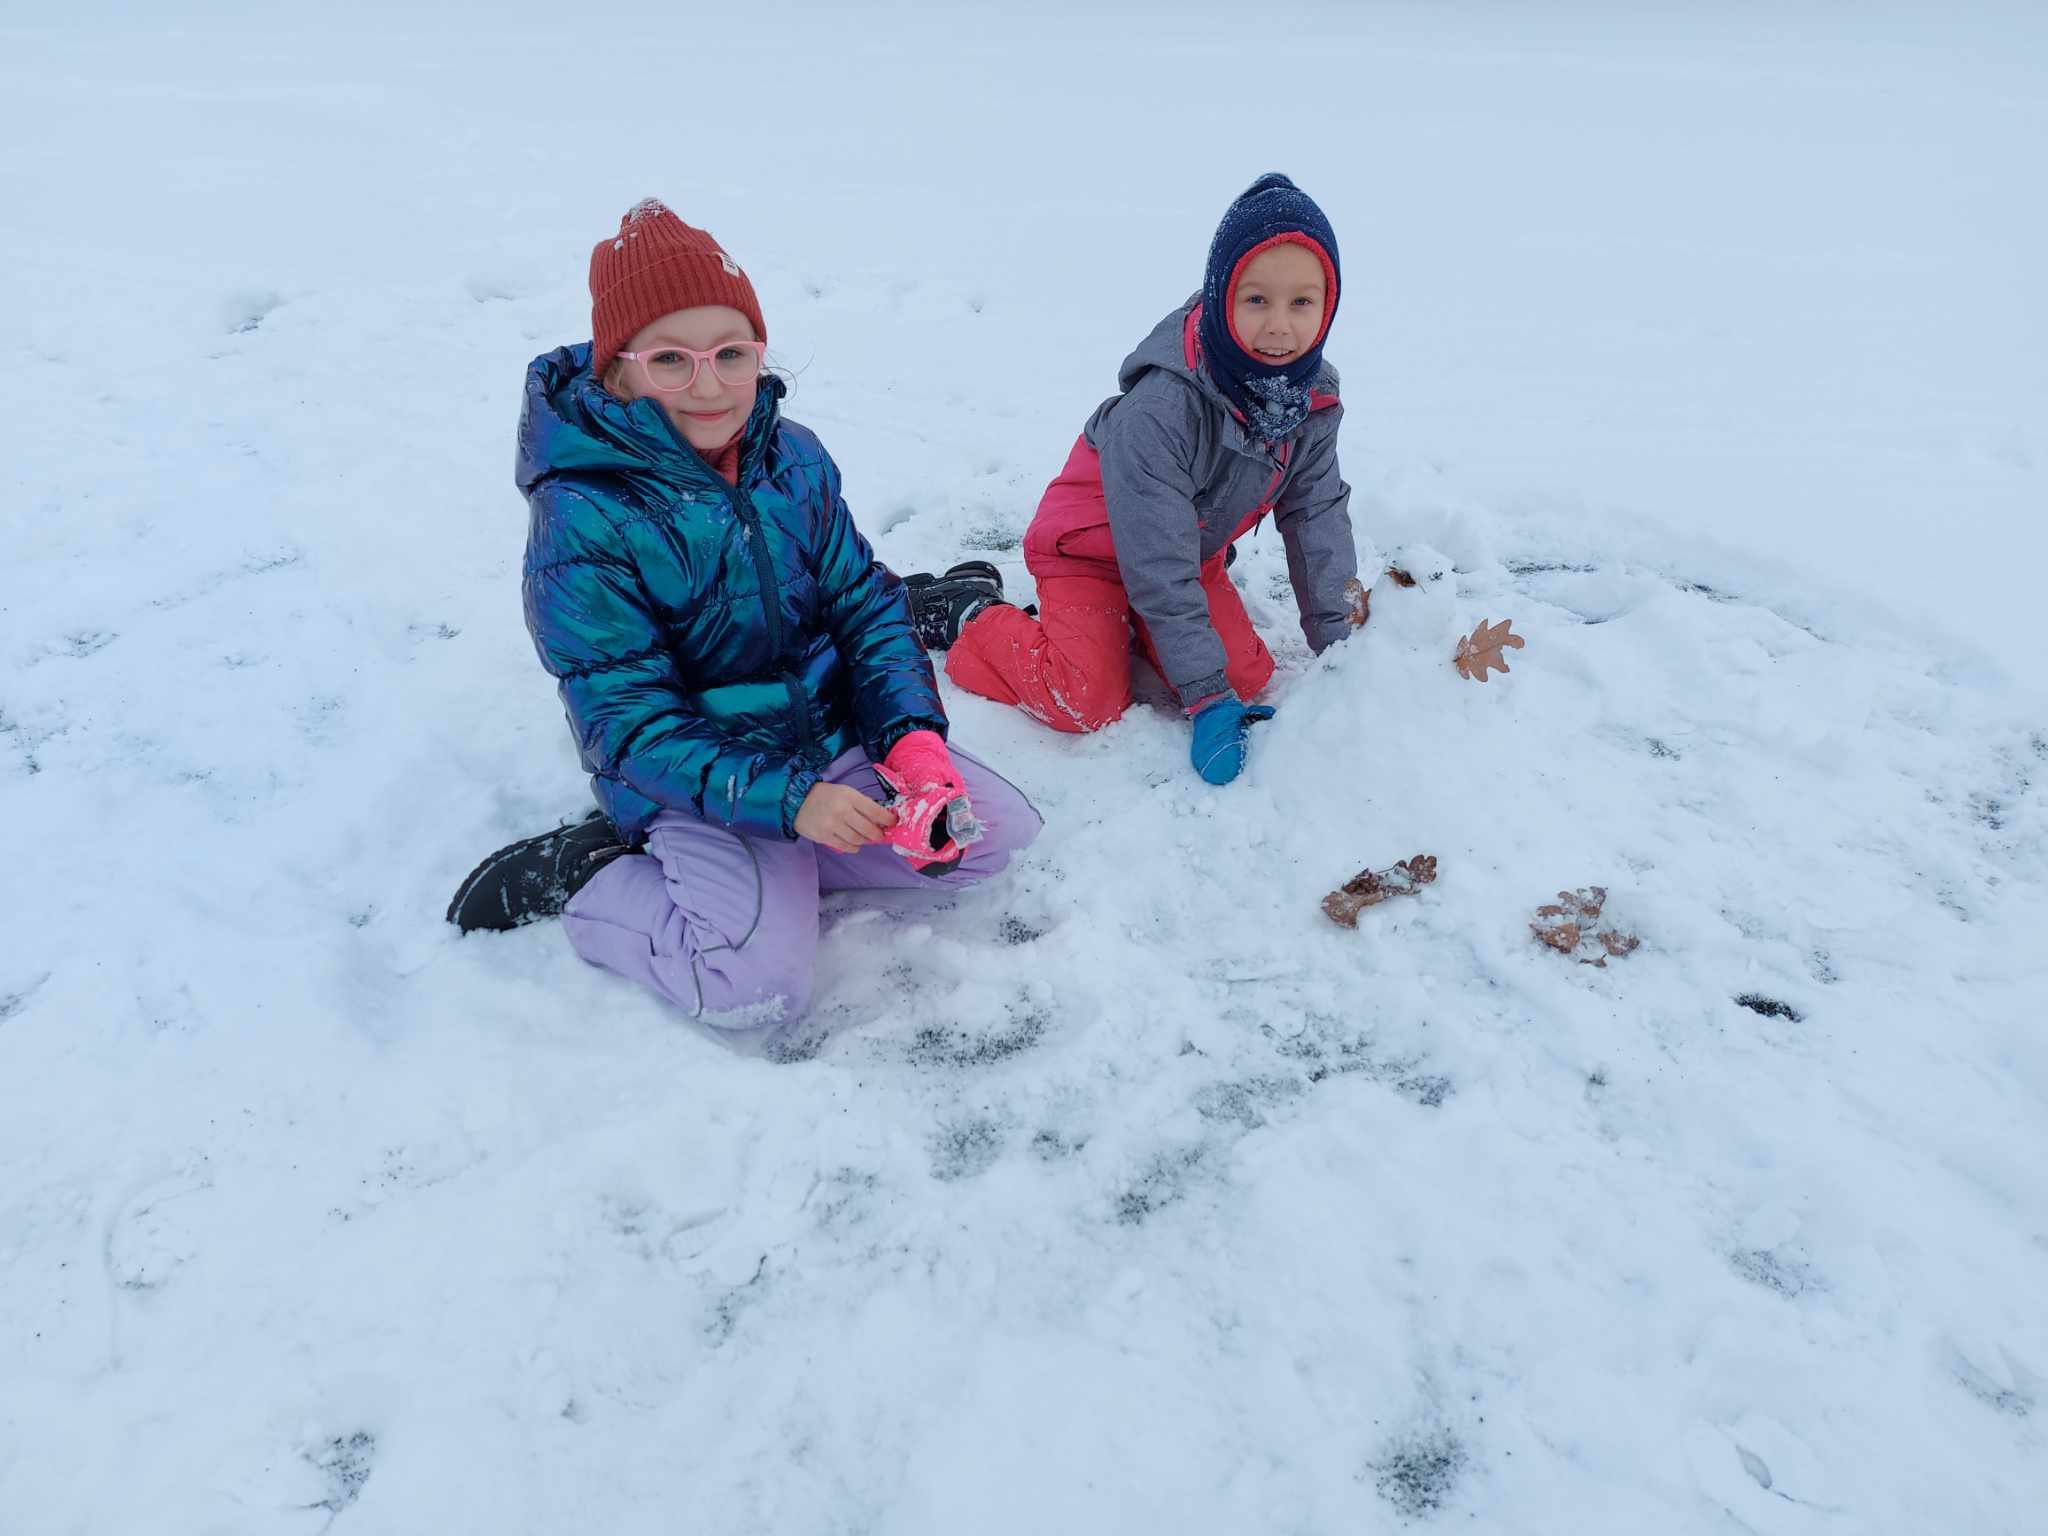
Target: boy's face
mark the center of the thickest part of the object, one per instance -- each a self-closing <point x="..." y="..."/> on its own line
<point x="1276" y="311"/>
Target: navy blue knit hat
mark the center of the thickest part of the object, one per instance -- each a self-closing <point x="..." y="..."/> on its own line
<point x="1274" y="400"/>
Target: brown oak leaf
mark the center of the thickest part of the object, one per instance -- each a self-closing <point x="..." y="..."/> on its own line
<point x="1619" y="944"/>
<point x="1586" y="902"/>
<point x="1567" y="923"/>
<point x="1420" y="870"/>
<point x="1484" y="648"/>
<point x="1370" y="887"/>
<point x="1400" y="577"/>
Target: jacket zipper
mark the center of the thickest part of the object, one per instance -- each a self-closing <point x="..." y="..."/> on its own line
<point x="764" y="576"/>
<point x="764" y="571"/>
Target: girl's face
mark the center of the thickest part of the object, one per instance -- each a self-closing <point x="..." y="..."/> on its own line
<point x="710" y="412"/>
<point x="1277" y="308"/>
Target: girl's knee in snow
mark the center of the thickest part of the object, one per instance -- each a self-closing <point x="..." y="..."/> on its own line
<point x="737" y="989"/>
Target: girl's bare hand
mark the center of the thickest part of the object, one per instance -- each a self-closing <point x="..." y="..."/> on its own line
<point x="842" y="818"/>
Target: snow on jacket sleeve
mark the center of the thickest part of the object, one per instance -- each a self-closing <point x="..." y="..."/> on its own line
<point x="1148" y="486"/>
<point x="1314" y="519"/>
<point x="867" y="611"/>
<point x="597" y="636"/>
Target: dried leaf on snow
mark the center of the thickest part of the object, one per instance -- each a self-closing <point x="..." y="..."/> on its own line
<point x="1587" y="902"/>
<point x="1400" y="577"/>
<point x="1567" y="924"/>
<point x="1485" y="648"/>
<point x="1370" y="887"/>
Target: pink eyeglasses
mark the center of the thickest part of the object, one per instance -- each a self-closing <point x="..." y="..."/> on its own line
<point x="674" y="369"/>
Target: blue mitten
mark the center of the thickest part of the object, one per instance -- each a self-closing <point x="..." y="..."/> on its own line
<point x="1220" y="729"/>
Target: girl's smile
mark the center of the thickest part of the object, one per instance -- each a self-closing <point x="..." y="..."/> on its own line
<point x="710" y="410"/>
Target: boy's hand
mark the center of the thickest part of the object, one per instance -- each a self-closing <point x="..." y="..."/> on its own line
<point x="1358" y="603"/>
<point x="1221" y="725"/>
<point x="842" y="818"/>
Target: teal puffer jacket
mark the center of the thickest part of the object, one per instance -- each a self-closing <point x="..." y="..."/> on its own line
<point x="716" y="646"/>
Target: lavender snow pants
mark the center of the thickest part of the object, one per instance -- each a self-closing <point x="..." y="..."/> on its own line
<point x="726" y="926"/>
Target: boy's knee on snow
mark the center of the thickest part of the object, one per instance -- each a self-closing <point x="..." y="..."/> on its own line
<point x="1077" y="716"/>
<point x="1092" y="720"/>
<point x="1090" y="706"/>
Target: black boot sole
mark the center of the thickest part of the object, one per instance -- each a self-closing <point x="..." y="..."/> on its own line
<point x="966" y="570"/>
<point x="983" y="569"/>
<point x="538" y="892"/>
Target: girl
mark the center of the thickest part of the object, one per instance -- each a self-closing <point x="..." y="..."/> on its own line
<point x="1227" y="412"/>
<point x="740" y="672"/>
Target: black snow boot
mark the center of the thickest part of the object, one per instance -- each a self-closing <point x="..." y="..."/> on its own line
<point x="940" y="605"/>
<point x="535" y="877"/>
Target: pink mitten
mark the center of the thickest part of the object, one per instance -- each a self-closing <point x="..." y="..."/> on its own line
<point x="934" y="823"/>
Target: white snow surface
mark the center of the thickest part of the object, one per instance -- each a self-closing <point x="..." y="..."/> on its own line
<point x="1125" y="1193"/>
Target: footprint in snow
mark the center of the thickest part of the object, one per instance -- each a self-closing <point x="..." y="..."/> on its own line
<point x="246" y="309"/>
<point x="1761" y="1473"/>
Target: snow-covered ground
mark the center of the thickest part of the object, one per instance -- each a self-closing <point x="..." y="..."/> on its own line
<point x="1126" y="1193"/>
